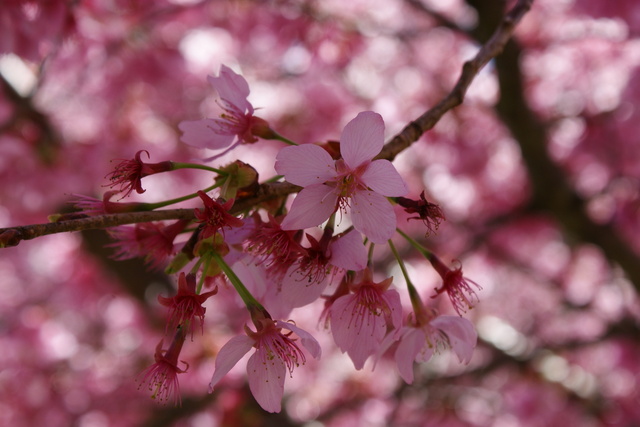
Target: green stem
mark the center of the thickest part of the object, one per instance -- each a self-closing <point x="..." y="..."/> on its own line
<point x="248" y="299"/>
<point x="370" y="253"/>
<point x="152" y="206"/>
<point x="203" y="276"/>
<point x="283" y="139"/>
<point x="274" y="179"/>
<point x="426" y="253"/>
<point x="416" y="302"/>
<point x="179" y="165"/>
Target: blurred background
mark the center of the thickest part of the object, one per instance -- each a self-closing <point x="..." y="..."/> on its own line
<point x="538" y="173"/>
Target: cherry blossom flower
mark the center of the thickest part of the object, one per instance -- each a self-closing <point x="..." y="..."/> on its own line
<point x="430" y="213"/>
<point x="424" y="336"/>
<point x="162" y="376"/>
<point x="359" y="321"/>
<point x="276" y="353"/>
<point x="457" y="286"/>
<point x="307" y="278"/>
<point x="236" y="123"/>
<point x="128" y="174"/>
<point x="215" y="216"/>
<point x="186" y="305"/>
<point x="355" y="181"/>
<point x="150" y="240"/>
<point x="277" y="249"/>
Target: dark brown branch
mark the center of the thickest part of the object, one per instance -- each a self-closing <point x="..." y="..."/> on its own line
<point x="470" y="70"/>
<point x="14" y="235"/>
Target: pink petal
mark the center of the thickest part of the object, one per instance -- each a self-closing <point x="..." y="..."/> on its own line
<point x="251" y="274"/>
<point x="308" y="341"/>
<point x="266" y="380"/>
<point x="341" y="327"/>
<point x="202" y="134"/>
<point x="383" y="178"/>
<point x="312" y="206"/>
<point x="355" y="332"/>
<point x="232" y="87"/>
<point x="373" y="216"/>
<point x="349" y="252"/>
<point x="298" y="291"/>
<point x="228" y="356"/>
<point x="412" y="342"/>
<point x="367" y="341"/>
<point x="362" y="138"/>
<point x="392" y="298"/>
<point x="461" y="333"/>
<point x="305" y="165"/>
<point x="386" y="343"/>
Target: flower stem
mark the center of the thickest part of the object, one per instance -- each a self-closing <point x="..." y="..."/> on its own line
<point x="283" y="139"/>
<point x="426" y="253"/>
<point x="179" y="165"/>
<point x="416" y="302"/>
<point x="152" y="206"/>
<point x="274" y="178"/>
<point x="248" y="299"/>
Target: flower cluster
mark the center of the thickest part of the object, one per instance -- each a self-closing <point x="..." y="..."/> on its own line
<point x="278" y="259"/>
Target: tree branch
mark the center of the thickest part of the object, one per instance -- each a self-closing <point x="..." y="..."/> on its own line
<point x="492" y="48"/>
<point x="14" y="235"/>
<point x="414" y="130"/>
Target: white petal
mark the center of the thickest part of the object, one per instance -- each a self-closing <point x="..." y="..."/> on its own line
<point x="228" y="356"/>
<point x="383" y="178"/>
<point x="362" y="138"/>
<point x="373" y="216"/>
<point x="311" y="207"/>
<point x="305" y="165"/>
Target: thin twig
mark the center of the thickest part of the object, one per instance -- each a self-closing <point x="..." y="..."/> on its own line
<point x="14" y="235"/>
<point x="470" y="70"/>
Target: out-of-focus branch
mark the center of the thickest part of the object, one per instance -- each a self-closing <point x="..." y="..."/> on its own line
<point x="470" y="70"/>
<point x="552" y="192"/>
<point x="47" y="139"/>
